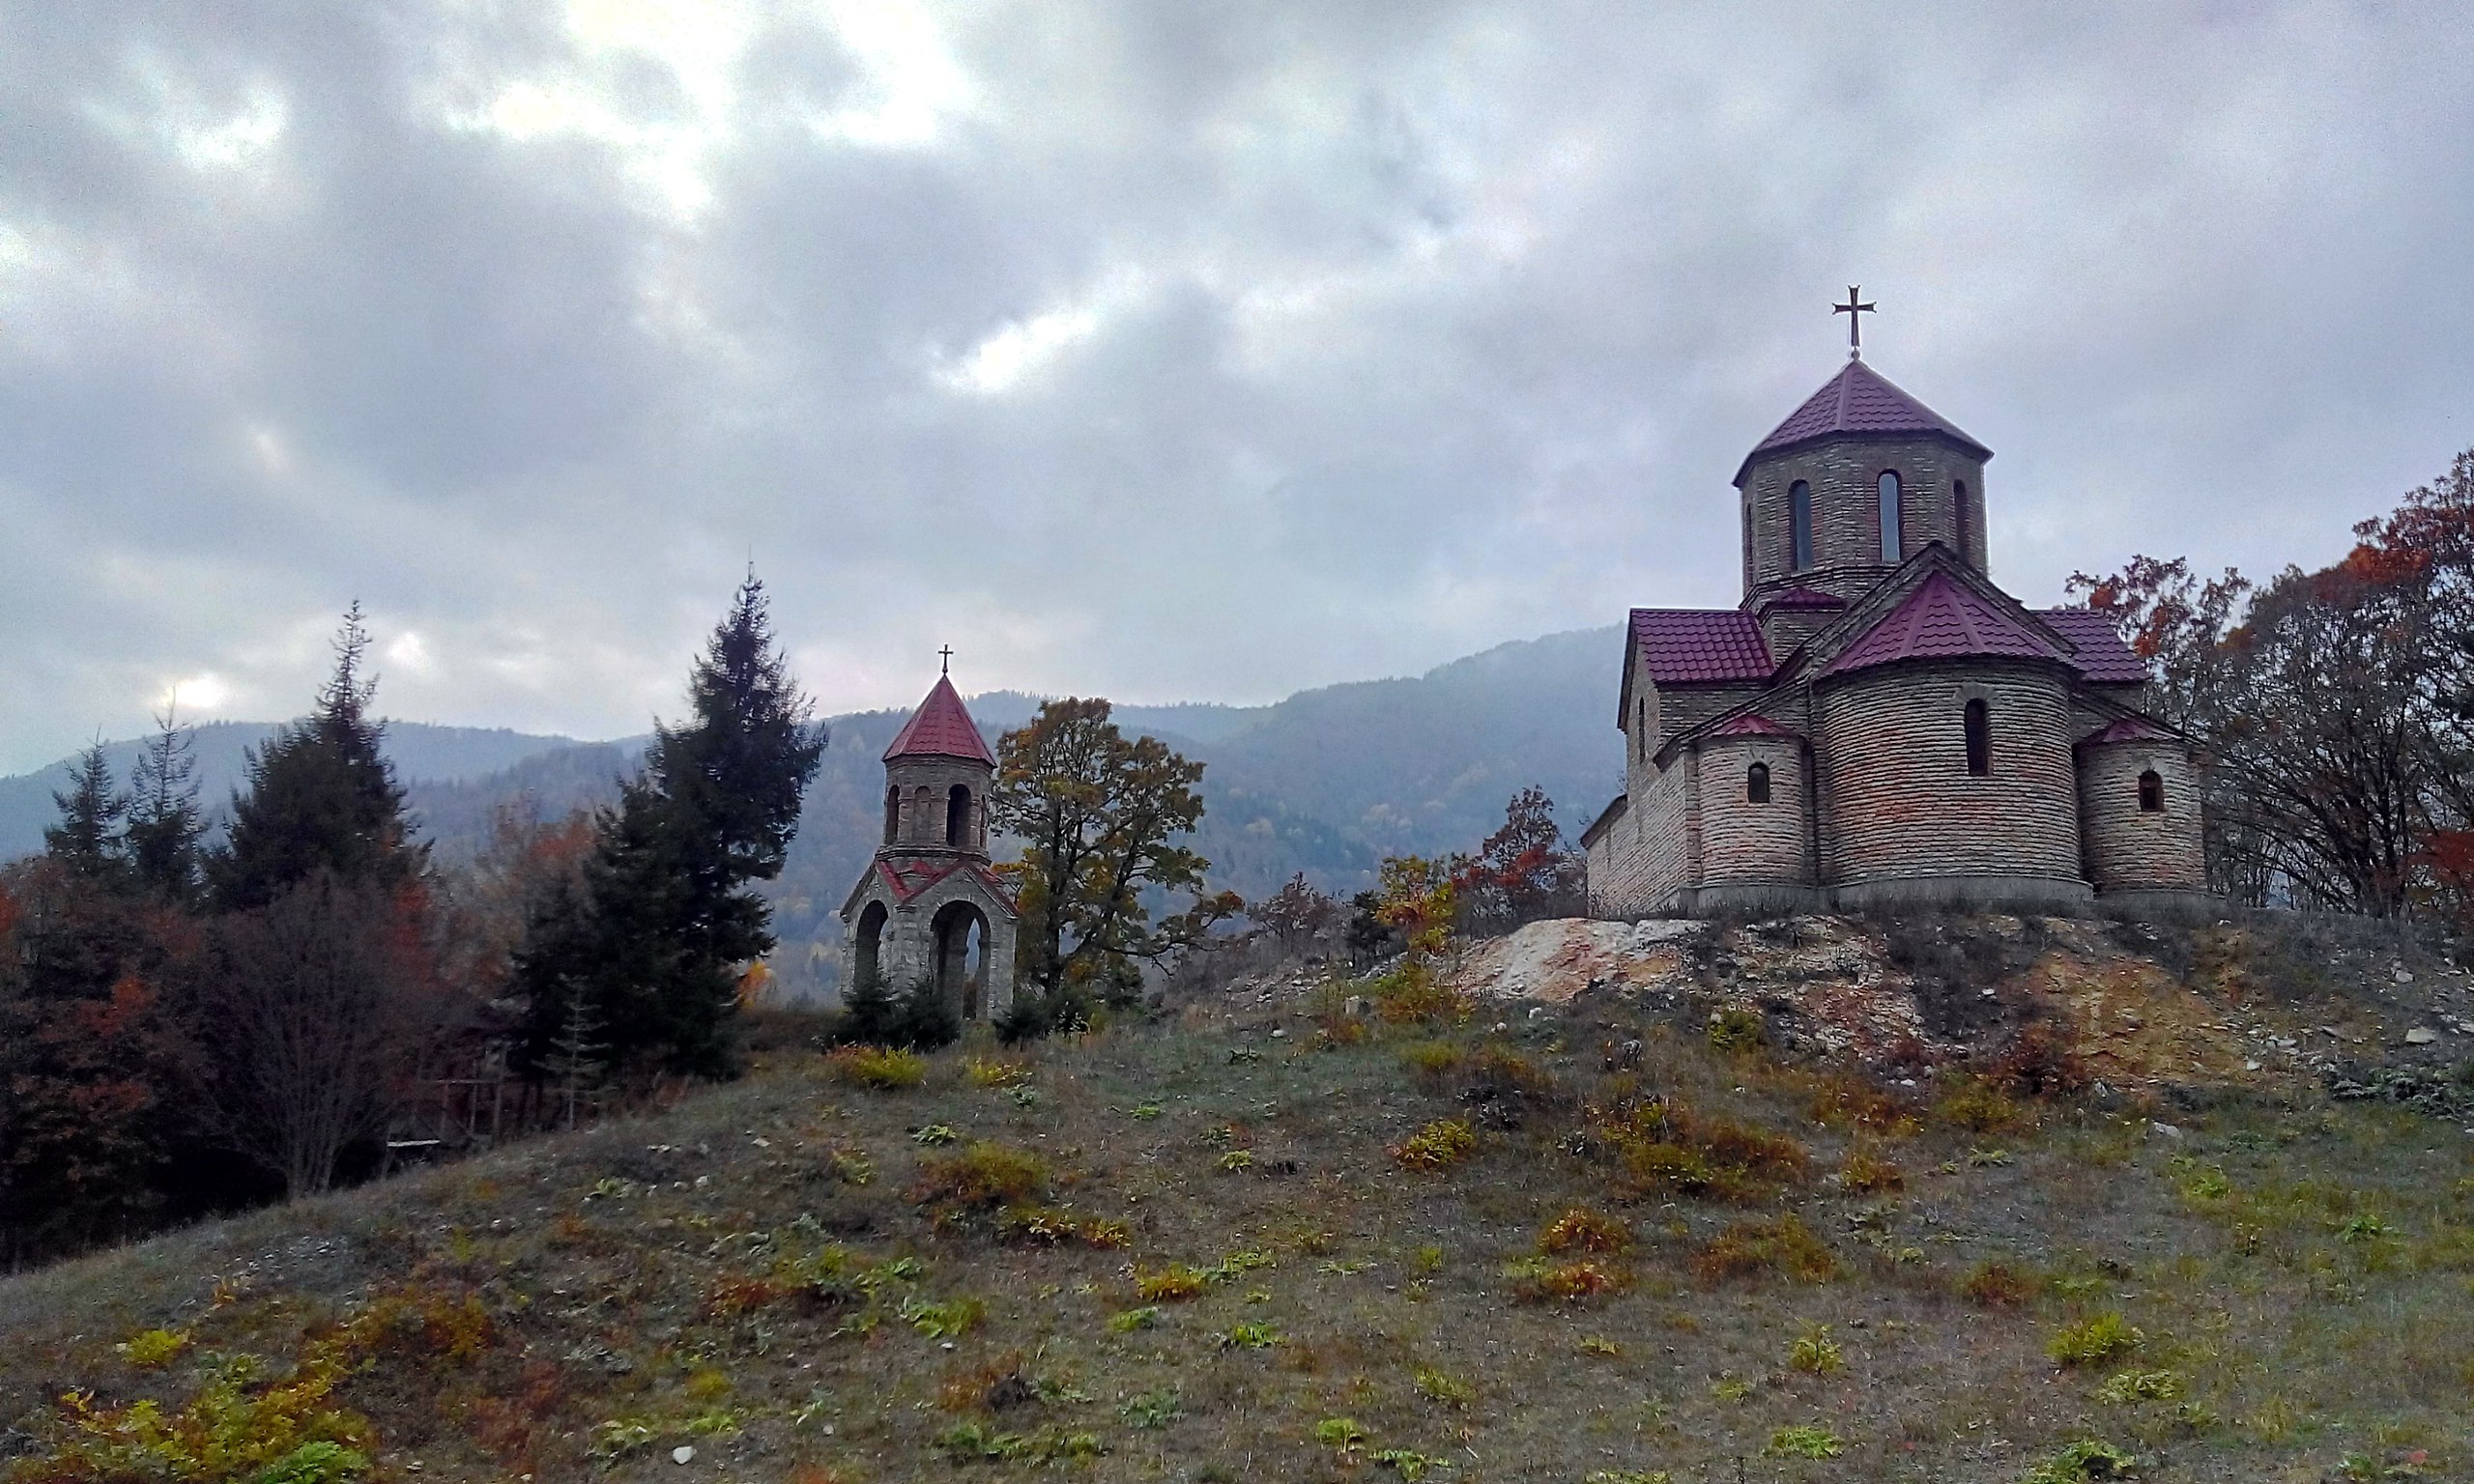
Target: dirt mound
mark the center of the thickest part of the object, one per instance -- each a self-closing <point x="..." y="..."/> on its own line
<point x="1931" y="988"/>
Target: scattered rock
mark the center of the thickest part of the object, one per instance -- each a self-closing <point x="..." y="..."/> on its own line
<point x="683" y="1454"/>
<point x="2421" y="1036"/>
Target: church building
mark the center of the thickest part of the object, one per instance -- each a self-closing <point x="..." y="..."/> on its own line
<point x="930" y="908"/>
<point x="1876" y="723"/>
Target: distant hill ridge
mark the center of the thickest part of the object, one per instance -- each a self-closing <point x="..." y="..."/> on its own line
<point x="1327" y="781"/>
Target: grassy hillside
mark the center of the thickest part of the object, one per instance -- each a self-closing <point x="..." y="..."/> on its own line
<point x="1267" y="1240"/>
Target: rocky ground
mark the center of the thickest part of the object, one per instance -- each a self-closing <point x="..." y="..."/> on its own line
<point x="2270" y="1004"/>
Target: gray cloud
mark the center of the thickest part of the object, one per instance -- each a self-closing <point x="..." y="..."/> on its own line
<point x="1144" y="350"/>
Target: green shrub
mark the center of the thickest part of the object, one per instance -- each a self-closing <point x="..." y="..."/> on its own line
<point x="982" y="1176"/>
<point x="1583" y="1230"/>
<point x="1408" y="1463"/>
<point x="1805" y="1442"/>
<point x="2131" y="1387"/>
<point x="1737" y="1030"/>
<point x="1445" y="1389"/>
<point x="1127" y="1321"/>
<point x="152" y="1350"/>
<point x="1153" y="1409"/>
<point x="315" y="1462"/>
<point x="1250" y="1337"/>
<point x="1814" y="1351"/>
<point x="1867" y="1173"/>
<point x="1783" y="1246"/>
<point x="2082" y="1462"/>
<point x="1430" y="1063"/>
<point x="233" y="1427"/>
<point x="1664" y="1149"/>
<point x="1438" y="1145"/>
<point x="1172" y="1284"/>
<point x="2088" y="1341"/>
<point x="879" y="1068"/>
<point x="1535" y="1280"/>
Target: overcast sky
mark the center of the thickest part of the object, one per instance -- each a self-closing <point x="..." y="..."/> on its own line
<point x="1164" y="351"/>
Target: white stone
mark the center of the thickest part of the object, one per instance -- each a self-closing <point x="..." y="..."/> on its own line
<point x="683" y="1454"/>
<point x="2167" y="1129"/>
<point x="2421" y="1036"/>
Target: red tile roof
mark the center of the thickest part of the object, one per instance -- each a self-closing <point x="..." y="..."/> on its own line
<point x="942" y="727"/>
<point x="2101" y="656"/>
<point x="1700" y="646"/>
<point x="2130" y="729"/>
<point x="1858" y="401"/>
<point x="1801" y="597"/>
<point x="1750" y="724"/>
<point x="907" y="880"/>
<point x="1942" y="618"/>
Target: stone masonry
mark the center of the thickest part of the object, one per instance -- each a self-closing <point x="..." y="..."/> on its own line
<point x="1880" y="723"/>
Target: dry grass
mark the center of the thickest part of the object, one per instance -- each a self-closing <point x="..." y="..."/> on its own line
<point x="1077" y="1284"/>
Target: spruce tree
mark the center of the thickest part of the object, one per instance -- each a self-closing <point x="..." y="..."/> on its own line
<point x="668" y="916"/>
<point x="87" y="842"/>
<point x="164" y="822"/>
<point x="321" y="796"/>
<point x="869" y="1014"/>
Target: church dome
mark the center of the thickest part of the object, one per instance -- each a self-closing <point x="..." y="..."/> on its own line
<point x="1858" y="402"/>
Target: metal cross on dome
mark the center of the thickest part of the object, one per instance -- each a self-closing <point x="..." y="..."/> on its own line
<point x="1854" y="309"/>
<point x="945" y="661"/>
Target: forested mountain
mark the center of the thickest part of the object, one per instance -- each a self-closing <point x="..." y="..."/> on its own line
<point x="1327" y="782"/>
<point x="422" y="753"/>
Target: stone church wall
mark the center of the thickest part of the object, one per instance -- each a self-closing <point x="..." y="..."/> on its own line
<point x="1845" y="475"/>
<point x="1899" y="804"/>
<point x="1743" y="843"/>
<point x="2129" y="850"/>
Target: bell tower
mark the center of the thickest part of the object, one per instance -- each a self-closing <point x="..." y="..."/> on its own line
<point x="937" y="774"/>
<point x="930" y="912"/>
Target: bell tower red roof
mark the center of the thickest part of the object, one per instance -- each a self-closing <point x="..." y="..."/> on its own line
<point x="942" y="727"/>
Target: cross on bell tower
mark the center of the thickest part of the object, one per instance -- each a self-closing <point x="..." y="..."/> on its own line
<point x="1854" y="309"/>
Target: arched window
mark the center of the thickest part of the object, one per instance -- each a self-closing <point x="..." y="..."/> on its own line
<point x="1756" y="783"/>
<point x="2151" y="793"/>
<point x="1959" y="516"/>
<point x="1799" y="525"/>
<point x="922" y="823"/>
<point x="958" y="816"/>
<point x="1979" y="730"/>
<point x="893" y="813"/>
<point x="1891" y="547"/>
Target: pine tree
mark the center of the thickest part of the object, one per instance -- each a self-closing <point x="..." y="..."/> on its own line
<point x="164" y="822"/>
<point x="668" y="916"/>
<point x="924" y="1019"/>
<point x="87" y="842"/>
<point x="321" y="796"/>
<point x="869" y="1014"/>
<point x="577" y="1057"/>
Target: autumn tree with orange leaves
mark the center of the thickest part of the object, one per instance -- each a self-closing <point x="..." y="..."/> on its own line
<point x="2334" y="709"/>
